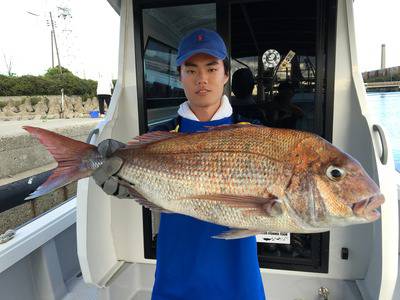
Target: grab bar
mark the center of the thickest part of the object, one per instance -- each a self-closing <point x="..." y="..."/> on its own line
<point x="91" y="134"/>
<point x="384" y="155"/>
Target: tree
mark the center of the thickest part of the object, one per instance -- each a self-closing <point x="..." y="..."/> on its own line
<point x="51" y="72"/>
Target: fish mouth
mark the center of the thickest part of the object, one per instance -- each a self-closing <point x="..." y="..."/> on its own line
<point x="368" y="207"/>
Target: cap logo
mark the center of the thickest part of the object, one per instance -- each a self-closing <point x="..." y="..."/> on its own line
<point x="200" y="37"/>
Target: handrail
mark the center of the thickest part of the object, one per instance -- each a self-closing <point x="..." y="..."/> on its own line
<point x="91" y="134"/>
<point x="384" y="155"/>
<point x="14" y="193"/>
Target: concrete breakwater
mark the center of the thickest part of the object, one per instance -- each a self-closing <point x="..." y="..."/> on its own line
<point x="45" y="107"/>
<point x="22" y="155"/>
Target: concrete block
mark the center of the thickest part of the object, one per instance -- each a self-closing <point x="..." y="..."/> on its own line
<point x="26" y="107"/>
<point x="10" y="110"/>
<point x="41" y="108"/>
<point x="16" y="216"/>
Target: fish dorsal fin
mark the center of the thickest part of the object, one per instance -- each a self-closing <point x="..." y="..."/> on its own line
<point x="152" y="137"/>
<point x="235" y="233"/>
<point x="231" y="126"/>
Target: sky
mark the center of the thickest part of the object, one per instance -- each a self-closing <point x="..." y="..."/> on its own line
<point x="377" y="23"/>
<point x="88" y="41"/>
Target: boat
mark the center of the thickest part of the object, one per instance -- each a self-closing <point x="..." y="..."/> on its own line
<point x="98" y="247"/>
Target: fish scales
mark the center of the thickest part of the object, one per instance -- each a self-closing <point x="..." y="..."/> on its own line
<point x="182" y="169"/>
<point x="203" y="173"/>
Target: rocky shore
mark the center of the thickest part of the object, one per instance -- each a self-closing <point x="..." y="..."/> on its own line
<point x="45" y="107"/>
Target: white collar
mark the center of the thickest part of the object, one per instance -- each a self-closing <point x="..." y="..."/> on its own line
<point x="224" y="110"/>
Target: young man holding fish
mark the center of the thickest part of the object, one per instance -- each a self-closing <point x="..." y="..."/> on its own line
<point x="191" y="264"/>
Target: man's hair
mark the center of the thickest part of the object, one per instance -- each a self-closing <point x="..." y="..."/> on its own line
<point x="227" y="67"/>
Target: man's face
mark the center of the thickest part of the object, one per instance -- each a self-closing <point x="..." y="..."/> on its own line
<point x="203" y="79"/>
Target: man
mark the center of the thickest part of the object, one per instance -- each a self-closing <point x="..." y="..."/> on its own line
<point x="191" y="265"/>
<point x="281" y="112"/>
<point x="243" y="103"/>
<point x="103" y="91"/>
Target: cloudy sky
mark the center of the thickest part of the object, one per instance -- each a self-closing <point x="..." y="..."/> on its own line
<point x="377" y="23"/>
<point x="88" y="41"/>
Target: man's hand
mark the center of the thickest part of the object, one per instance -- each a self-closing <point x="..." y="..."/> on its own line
<point x="105" y="176"/>
<point x="107" y="147"/>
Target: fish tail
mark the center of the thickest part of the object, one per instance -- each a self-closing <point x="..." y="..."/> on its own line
<point x="75" y="159"/>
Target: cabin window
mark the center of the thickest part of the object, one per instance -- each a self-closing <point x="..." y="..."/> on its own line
<point x="285" y="93"/>
<point x="161" y="78"/>
<point x="163" y="28"/>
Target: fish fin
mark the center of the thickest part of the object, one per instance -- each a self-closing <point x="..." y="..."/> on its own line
<point x="237" y="199"/>
<point x="268" y="205"/>
<point x="236" y="233"/>
<point x="68" y="153"/>
<point x="271" y="209"/>
<point x="232" y="126"/>
<point x="251" y="212"/>
<point x="139" y="198"/>
<point x="152" y="137"/>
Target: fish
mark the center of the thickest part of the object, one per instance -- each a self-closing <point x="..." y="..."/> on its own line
<point x="250" y="178"/>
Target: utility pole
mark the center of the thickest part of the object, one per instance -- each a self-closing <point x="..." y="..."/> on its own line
<point x="52" y="49"/>
<point x="55" y="43"/>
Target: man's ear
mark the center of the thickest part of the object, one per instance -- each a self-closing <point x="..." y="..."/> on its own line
<point x="226" y="78"/>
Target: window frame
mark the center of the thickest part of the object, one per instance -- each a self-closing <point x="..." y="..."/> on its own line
<point x="325" y="66"/>
<point x="157" y="100"/>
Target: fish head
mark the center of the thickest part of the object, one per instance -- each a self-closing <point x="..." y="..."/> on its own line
<point x="336" y="189"/>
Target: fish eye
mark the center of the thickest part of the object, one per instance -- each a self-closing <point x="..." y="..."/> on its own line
<point x="335" y="173"/>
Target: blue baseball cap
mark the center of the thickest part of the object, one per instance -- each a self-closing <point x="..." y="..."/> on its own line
<point x="201" y="41"/>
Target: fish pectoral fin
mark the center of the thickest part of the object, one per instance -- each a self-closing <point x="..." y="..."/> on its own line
<point x="139" y="198"/>
<point x="268" y="205"/>
<point x="236" y="233"/>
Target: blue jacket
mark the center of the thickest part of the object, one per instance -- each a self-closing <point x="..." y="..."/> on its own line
<point x="191" y="265"/>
